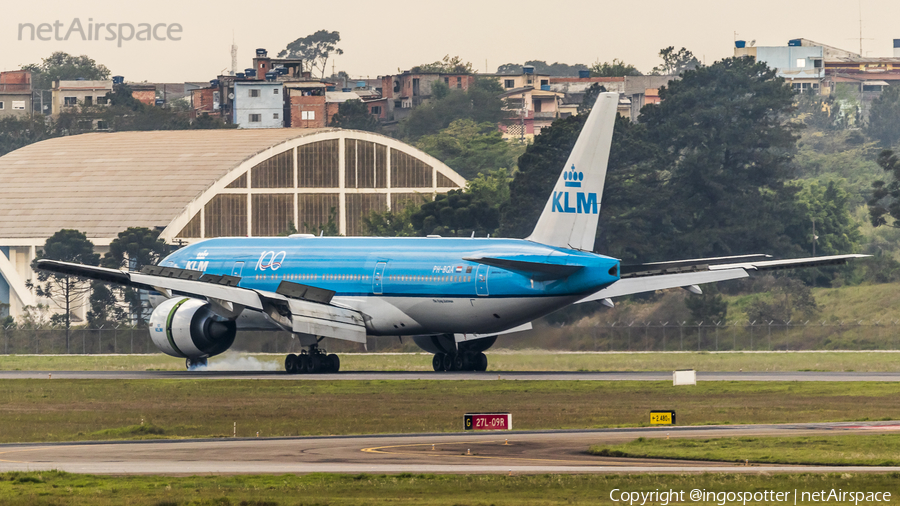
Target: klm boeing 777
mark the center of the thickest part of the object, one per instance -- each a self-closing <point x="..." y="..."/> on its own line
<point x="452" y="296"/>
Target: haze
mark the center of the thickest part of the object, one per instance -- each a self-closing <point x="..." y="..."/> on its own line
<point x="378" y="40"/>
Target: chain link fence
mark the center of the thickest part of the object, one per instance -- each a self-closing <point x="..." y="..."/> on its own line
<point x="618" y="336"/>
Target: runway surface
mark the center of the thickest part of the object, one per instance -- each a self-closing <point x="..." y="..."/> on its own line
<point x="516" y="452"/>
<point x="471" y="376"/>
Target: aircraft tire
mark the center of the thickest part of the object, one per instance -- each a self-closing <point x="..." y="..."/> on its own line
<point x="302" y="364"/>
<point x="290" y="364"/>
<point x="481" y="362"/>
<point x="314" y="365"/>
<point x="449" y="362"/>
<point x="334" y="363"/>
<point x="437" y="362"/>
<point x="459" y="362"/>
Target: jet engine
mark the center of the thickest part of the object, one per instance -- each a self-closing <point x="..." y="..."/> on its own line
<point x="186" y="328"/>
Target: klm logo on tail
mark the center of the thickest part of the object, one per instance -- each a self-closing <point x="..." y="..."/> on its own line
<point x="585" y="203"/>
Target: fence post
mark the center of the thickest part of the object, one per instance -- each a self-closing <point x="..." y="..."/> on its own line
<point x="717" y="335"/>
<point x="612" y="333"/>
<point x="131" y="332"/>
<point x="751" y="334"/>
<point x="699" y="334"/>
<point x="681" y="335"/>
<point x="664" y="335"/>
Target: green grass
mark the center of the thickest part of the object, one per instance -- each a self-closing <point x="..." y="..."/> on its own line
<point x="843" y="450"/>
<point x="500" y="360"/>
<point x="69" y="410"/>
<point x="57" y="488"/>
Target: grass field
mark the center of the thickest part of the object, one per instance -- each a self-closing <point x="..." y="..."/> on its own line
<point x="863" y="450"/>
<point x="500" y="360"/>
<point x="67" y="410"/>
<point x="54" y="488"/>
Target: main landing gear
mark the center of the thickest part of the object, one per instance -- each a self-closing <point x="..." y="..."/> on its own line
<point x="463" y="361"/>
<point x="314" y="361"/>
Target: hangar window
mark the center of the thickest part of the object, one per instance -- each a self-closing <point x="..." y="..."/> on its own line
<point x="240" y="182"/>
<point x="360" y="205"/>
<point x="315" y="209"/>
<point x="226" y="216"/>
<point x="445" y="182"/>
<point x="318" y="164"/>
<point x="272" y="214"/>
<point x="364" y="164"/>
<point x="399" y="201"/>
<point x="192" y="229"/>
<point x="408" y="171"/>
<point x="276" y="172"/>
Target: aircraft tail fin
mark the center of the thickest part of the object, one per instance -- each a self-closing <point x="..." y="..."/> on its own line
<point x="569" y="219"/>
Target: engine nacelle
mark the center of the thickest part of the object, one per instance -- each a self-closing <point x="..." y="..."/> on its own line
<point x="186" y="328"/>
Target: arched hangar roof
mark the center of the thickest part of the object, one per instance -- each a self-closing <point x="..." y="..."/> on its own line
<point x="102" y="183"/>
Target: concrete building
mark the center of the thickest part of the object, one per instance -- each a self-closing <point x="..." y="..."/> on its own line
<point x="198" y="184"/>
<point x="531" y="109"/>
<point x="803" y="67"/>
<point x="408" y="90"/>
<point x="68" y="95"/>
<point x="304" y="103"/>
<point x="15" y="93"/>
<point x="258" y="104"/>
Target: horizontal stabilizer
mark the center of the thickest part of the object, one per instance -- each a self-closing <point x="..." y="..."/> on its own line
<point x="543" y="270"/>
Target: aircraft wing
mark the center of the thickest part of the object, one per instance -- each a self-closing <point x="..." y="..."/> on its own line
<point x="687" y="273"/>
<point x="297" y="308"/>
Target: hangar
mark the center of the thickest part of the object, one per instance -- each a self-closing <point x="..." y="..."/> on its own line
<point x="197" y="184"/>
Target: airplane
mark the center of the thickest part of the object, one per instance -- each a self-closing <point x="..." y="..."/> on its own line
<point x="452" y="296"/>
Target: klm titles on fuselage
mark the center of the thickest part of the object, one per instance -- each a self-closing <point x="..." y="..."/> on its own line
<point x="585" y="203"/>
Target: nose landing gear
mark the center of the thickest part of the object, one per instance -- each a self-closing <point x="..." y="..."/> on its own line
<point x="463" y="361"/>
<point x="314" y="361"/>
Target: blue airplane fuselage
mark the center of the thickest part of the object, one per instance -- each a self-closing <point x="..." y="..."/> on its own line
<point x="409" y="286"/>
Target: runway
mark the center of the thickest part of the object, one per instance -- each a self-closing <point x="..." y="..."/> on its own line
<point x="455" y="376"/>
<point x="515" y="452"/>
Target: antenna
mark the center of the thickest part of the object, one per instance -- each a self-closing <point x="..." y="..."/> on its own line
<point x="233" y="54"/>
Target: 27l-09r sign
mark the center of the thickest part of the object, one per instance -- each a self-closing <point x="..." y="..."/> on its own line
<point x="488" y="421"/>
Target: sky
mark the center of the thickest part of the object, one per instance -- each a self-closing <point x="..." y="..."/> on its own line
<point x="380" y="38"/>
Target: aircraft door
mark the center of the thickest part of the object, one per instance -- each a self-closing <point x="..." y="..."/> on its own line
<point x="377" y="281"/>
<point x="481" y="275"/>
<point x="237" y="269"/>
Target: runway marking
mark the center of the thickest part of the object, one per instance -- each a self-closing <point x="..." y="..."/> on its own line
<point x="21" y="451"/>
<point x="380" y="449"/>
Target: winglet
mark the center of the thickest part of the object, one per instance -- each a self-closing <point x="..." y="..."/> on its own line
<point x="569" y="219"/>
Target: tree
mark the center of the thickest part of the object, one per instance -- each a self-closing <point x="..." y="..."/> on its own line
<point x="617" y="68"/>
<point x="456" y="214"/>
<point x="884" y="117"/>
<point x="64" y="290"/>
<point x="132" y="250"/>
<point x="675" y="62"/>
<point x="64" y="66"/>
<point x="470" y="148"/>
<point x="481" y="103"/>
<point x="17" y="132"/>
<point x="315" y="48"/>
<point x="354" y="114"/>
<point x="393" y="223"/>
<point x="123" y="96"/>
<point x="726" y="141"/>
<point x="590" y="96"/>
<point x="329" y="228"/>
<point x="790" y="299"/>
<point x="493" y="186"/>
<point x="447" y="65"/>
<point x="709" y="307"/>
<point x="885" y="199"/>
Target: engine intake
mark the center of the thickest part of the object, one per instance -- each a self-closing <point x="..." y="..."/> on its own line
<point x="186" y="328"/>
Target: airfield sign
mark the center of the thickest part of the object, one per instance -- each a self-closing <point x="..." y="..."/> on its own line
<point x="488" y="421"/>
